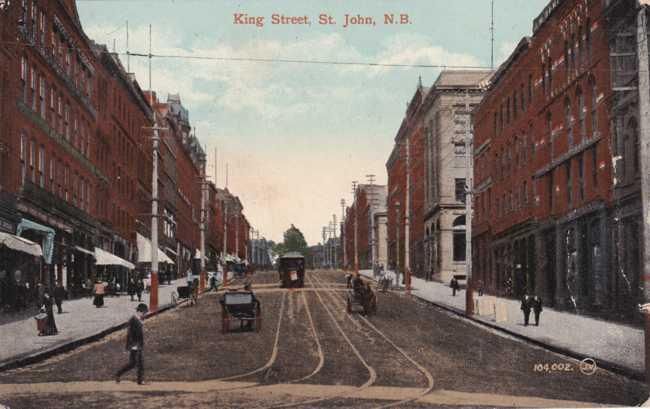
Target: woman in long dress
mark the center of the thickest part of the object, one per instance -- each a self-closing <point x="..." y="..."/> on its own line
<point x="100" y="290"/>
<point x="50" y="324"/>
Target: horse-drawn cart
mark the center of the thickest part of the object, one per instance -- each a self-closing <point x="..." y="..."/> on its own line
<point x="362" y="299"/>
<point x="242" y="306"/>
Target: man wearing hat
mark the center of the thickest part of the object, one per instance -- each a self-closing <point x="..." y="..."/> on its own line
<point x="135" y="344"/>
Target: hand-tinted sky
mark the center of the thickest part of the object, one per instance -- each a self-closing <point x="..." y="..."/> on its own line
<point x="296" y="135"/>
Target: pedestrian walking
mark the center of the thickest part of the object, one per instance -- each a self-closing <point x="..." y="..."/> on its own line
<point x="526" y="303"/>
<point x="139" y="288"/>
<point x="135" y="345"/>
<point x="537" y="308"/>
<point x="59" y="296"/>
<point x="40" y="291"/>
<point x="50" y="324"/>
<point x="454" y="286"/>
<point x="130" y="288"/>
<point x="99" y="291"/>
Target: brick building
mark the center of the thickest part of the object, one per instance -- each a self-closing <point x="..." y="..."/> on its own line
<point x="548" y="204"/>
<point x="446" y="118"/>
<point x="76" y="155"/>
<point x="122" y="152"/>
<point x="405" y="196"/>
<point x="368" y="201"/>
<point x="50" y="96"/>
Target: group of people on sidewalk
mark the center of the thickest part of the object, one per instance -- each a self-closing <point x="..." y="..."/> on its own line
<point x="533" y="303"/>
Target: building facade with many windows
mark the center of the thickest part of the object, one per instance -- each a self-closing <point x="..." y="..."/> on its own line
<point x="556" y="168"/>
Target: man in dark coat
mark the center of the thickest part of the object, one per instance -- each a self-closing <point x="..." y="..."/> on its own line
<point x="59" y="296"/>
<point x="526" y="303"/>
<point x="537" y="308"/>
<point x="454" y="286"/>
<point x="139" y="288"/>
<point x="135" y="345"/>
<point x="130" y="288"/>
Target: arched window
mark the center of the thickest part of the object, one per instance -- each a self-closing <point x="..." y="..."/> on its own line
<point x="568" y="121"/>
<point x="459" y="238"/>
<point x="582" y="113"/>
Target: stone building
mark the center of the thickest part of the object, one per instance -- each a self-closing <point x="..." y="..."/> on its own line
<point x="446" y="118"/>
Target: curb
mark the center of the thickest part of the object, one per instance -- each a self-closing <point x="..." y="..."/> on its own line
<point x="35" y="357"/>
<point x="603" y="364"/>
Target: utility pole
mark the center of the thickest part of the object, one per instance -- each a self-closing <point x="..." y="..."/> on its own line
<point x="407" y="220"/>
<point x="153" y="295"/>
<point x="644" y="144"/>
<point x="343" y="236"/>
<point x="492" y="35"/>
<point x="204" y="186"/>
<point x="397" y="231"/>
<point x="324" y="256"/>
<point x="356" y="227"/>
<point x="225" y="242"/>
<point x="371" y="182"/>
<point x="334" y="243"/>
<point x="238" y="215"/>
<point x="469" y="177"/>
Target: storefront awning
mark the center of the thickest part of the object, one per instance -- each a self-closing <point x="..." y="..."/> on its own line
<point x="104" y="258"/>
<point x="21" y="244"/>
<point x="171" y="251"/>
<point x="144" y="251"/>
<point x="48" y="239"/>
<point x="83" y="250"/>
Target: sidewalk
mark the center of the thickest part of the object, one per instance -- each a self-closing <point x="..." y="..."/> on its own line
<point x="617" y="345"/>
<point x="80" y="319"/>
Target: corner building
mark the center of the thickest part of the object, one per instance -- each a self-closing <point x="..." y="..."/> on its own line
<point x="544" y="206"/>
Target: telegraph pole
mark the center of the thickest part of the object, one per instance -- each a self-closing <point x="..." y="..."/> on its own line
<point x="356" y="227"/>
<point x="343" y="236"/>
<point x="153" y="296"/>
<point x="644" y="144"/>
<point x="204" y="185"/>
<point x="334" y="243"/>
<point x="225" y="243"/>
<point x="371" y="182"/>
<point x="397" y="231"/>
<point x="407" y="221"/>
<point x="469" y="178"/>
<point x="324" y="256"/>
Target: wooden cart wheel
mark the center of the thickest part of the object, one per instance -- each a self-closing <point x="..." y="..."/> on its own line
<point x="258" y="323"/>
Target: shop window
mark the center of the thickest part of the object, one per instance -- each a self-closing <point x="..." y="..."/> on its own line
<point x="459" y="239"/>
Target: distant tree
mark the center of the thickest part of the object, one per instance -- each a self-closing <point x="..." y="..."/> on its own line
<point x="294" y="240"/>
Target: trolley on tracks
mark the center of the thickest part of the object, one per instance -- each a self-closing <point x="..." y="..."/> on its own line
<point x="242" y="306"/>
<point x="291" y="268"/>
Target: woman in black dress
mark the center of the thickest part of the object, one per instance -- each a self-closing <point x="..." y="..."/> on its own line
<point x="50" y="325"/>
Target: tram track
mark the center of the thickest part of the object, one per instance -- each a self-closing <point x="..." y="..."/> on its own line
<point x="342" y="303"/>
<point x="372" y="378"/>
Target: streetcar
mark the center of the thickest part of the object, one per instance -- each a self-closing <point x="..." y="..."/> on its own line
<point x="291" y="269"/>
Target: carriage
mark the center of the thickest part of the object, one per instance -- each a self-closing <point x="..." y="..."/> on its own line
<point x="361" y="298"/>
<point x="291" y="268"/>
<point x="242" y="306"/>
